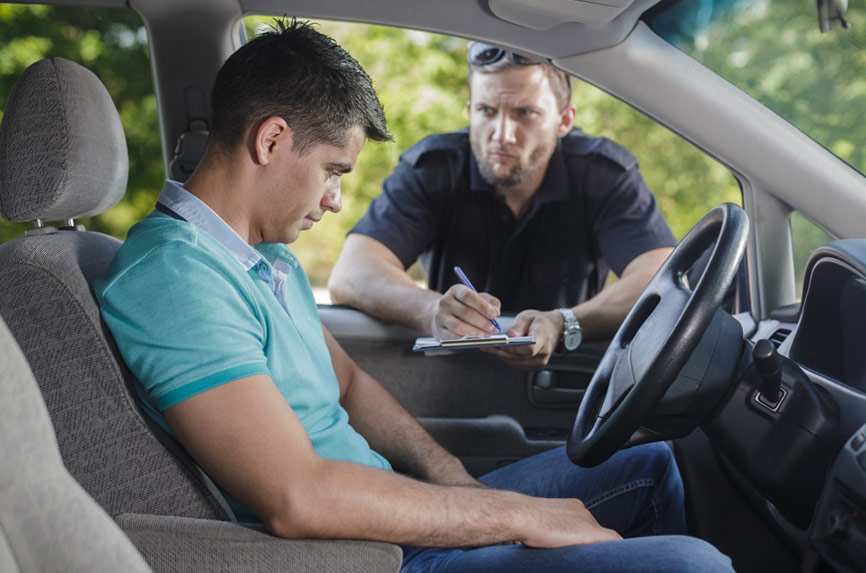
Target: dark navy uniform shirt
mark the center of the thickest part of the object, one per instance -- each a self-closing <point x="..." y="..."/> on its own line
<point x="592" y="213"/>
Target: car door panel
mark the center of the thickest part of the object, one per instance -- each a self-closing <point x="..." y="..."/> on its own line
<point x="482" y="410"/>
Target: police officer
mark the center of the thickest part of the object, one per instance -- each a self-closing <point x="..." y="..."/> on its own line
<point x="534" y="211"/>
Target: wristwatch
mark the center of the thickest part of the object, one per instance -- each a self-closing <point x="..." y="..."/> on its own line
<point x="571" y="331"/>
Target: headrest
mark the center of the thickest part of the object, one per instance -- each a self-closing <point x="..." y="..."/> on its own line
<point x="62" y="149"/>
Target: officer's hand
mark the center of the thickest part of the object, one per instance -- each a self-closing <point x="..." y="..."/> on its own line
<point x="545" y="327"/>
<point x="462" y="311"/>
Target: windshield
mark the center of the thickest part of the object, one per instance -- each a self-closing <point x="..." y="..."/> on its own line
<point x="774" y="51"/>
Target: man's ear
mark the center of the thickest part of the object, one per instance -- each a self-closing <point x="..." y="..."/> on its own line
<point x="272" y="136"/>
<point x="566" y="120"/>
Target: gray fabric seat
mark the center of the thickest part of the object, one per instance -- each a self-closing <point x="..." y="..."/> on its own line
<point x="63" y="156"/>
<point x="47" y="521"/>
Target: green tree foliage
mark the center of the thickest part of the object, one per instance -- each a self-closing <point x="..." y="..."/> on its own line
<point x="774" y="51"/>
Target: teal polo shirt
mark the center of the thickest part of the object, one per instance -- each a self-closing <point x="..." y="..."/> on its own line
<point x="193" y="306"/>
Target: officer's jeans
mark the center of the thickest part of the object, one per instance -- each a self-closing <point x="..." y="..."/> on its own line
<point x="638" y="493"/>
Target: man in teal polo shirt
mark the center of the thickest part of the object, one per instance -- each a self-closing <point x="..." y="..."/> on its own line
<point x="222" y="321"/>
<point x="216" y="319"/>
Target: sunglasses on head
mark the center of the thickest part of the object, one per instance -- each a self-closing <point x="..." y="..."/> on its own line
<point x="480" y="54"/>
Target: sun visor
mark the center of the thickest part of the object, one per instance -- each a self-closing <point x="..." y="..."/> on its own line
<point x="545" y="14"/>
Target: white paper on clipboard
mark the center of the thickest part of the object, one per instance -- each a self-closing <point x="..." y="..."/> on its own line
<point x="469" y="342"/>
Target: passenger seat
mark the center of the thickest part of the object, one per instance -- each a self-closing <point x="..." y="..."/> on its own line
<point x="47" y="522"/>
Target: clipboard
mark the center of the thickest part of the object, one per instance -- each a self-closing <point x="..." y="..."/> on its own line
<point x="469" y="342"/>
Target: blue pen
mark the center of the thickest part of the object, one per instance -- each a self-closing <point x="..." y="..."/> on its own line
<point x="465" y="280"/>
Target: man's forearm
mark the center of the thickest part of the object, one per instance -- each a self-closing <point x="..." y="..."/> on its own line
<point x="369" y="277"/>
<point x="395" y="434"/>
<point x="388" y="427"/>
<point x="245" y="436"/>
<point x="389" y="294"/>
<point x="348" y="501"/>
<point x="601" y="316"/>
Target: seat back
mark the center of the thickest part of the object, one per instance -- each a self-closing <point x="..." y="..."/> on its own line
<point x="63" y="156"/>
<point x="47" y="521"/>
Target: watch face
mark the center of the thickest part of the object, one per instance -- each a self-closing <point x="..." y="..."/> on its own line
<point x="572" y="340"/>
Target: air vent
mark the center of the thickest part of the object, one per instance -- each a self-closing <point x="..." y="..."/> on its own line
<point x="778" y="337"/>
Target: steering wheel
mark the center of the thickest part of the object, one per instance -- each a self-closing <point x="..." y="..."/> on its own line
<point x="658" y="336"/>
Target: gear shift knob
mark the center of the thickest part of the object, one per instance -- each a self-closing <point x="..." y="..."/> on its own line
<point x="768" y="365"/>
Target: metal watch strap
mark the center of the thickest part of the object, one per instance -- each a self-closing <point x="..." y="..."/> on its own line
<point x="570" y="326"/>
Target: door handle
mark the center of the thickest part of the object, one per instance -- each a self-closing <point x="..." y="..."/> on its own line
<point x="544" y="389"/>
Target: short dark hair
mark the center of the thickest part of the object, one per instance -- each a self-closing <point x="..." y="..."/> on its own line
<point x="294" y="72"/>
<point x="560" y="82"/>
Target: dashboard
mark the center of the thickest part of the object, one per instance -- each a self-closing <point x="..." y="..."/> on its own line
<point x="825" y="338"/>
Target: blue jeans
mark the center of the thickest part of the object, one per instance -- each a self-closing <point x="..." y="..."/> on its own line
<point x="638" y="493"/>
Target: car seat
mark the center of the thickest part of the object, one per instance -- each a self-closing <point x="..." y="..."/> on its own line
<point x="63" y="156"/>
<point x="47" y="521"/>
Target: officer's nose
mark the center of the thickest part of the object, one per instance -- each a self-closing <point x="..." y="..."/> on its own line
<point x="505" y="130"/>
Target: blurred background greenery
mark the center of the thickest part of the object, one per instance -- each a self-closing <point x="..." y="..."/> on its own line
<point x="421" y="79"/>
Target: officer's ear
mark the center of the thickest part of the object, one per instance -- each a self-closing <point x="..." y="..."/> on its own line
<point x="566" y="120"/>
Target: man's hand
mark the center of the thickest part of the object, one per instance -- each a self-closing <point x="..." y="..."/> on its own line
<point x="564" y="522"/>
<point x="462" y="311"/>
<point x="545" y="327"/>
<point x="599" y="317"/>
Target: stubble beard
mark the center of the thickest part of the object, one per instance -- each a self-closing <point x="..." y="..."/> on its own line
<point x="518" y="173"/>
